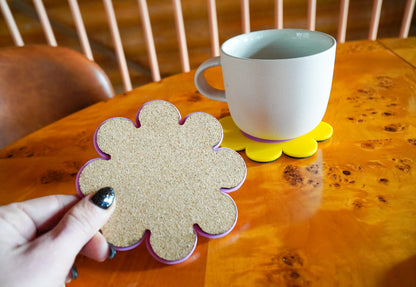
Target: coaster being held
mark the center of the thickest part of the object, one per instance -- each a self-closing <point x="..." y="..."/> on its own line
<point x="170" y="178"/>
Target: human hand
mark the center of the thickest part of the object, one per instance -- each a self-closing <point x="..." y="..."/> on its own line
<point x="40" y="238"/>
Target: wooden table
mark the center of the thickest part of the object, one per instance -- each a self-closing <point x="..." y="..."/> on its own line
<point x="343" y="217"/>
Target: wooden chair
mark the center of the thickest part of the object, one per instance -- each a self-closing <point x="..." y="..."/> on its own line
<point x="41" y="84"/>
<point x="179" y="24"/>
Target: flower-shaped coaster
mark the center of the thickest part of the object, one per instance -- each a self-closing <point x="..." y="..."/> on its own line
<point x="301" y="147"/>
<point x="170" y="179"/>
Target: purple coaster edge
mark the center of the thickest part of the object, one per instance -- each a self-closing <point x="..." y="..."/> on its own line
<point x="263" y="140"/>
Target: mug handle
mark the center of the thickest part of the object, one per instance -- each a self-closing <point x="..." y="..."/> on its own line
<point x="202" y="85"/>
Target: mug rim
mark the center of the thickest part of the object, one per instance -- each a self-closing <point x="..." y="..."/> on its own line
<point x="322" y="34"/>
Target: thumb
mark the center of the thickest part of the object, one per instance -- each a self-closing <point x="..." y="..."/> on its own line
<point x="83" y="221"/>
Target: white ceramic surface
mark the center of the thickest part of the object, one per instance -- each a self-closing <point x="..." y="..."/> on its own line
<point x="277" y="82"/>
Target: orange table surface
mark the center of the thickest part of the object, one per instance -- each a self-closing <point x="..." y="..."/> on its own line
<point x="343" y="217"/>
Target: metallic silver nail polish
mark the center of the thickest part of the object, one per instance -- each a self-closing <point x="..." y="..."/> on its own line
<point x="104" y="197"/>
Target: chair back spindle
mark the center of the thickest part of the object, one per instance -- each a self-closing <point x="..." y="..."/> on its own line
<point x="311" y="15"/>
<point x="80" y="27"/>
<point x="11" y="24"/>
<point x="149" y="40"/>
<point x="278" y="14"/>
<point x="245" y="16"/>
<point x="115" y="34"/>
<point x="213" y="28"/>
<point x="407" y="18"/>
<point x="375" y="19"/>
<point x="180" y="33"/>
<point x="44" y="20"/>
<point x="343" y="18"/>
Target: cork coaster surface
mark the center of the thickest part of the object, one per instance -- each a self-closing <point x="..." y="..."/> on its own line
<point x="168" y="177"/>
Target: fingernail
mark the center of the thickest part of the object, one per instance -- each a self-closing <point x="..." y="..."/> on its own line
<point x="74" y="272"/>
<point x="104" y="197"/>
<point x="112" y="251"/>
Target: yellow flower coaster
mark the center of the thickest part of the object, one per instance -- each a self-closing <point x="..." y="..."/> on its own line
<point x="300" y="147"/>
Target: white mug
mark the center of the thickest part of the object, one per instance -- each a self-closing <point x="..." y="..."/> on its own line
<point x="277" y="82"/>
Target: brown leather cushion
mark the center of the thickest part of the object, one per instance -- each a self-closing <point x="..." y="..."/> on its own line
<point x="41" y="84"/>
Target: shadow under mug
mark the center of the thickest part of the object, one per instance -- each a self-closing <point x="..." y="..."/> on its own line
<point x="277" y="82"/>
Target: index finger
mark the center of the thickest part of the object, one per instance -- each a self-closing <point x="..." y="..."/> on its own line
<point x="31" y="217"/>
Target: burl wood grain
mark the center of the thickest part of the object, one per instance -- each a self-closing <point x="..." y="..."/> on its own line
<point x="344" y="217"/>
